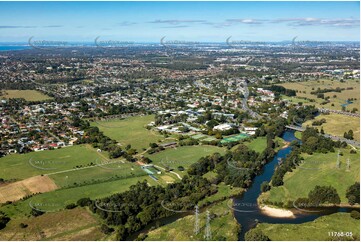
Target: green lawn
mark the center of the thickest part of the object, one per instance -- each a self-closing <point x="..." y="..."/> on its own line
<point x="28" y="95"/>
<point x="298" y="134"/>
<point x="21" y="166"/>
<point x="317" y="169"/>
<point x="258" y="144"/>
<point x="223" y="227"/>
<point x="130" y="131"/>
<point x="184" y="155"/>
<point x="58" y="199"/>
<point x="316" y="230"/>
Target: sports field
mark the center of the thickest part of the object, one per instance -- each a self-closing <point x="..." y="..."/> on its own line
<point x="317" y="230"/>
<point x="234" y="138"/>
<point x="100" y="173"/>
<point x="21" y="166"/>
<point x="130" y="131"/>
<point x="317" y="169"/>
<point x="29" y="95"/>
<point x="339" y="99"/>
<point x="337" y="124"/>
<point x="183" y="156"/>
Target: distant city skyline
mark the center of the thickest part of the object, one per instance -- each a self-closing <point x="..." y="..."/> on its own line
<point x="182" y="21"/>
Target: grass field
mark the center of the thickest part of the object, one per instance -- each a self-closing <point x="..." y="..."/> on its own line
<point x="21" y="166"/>
<point x="29" y="95"/>
<point x="298" y="134"/>
<point x="183" y="156"/>
<point x="317" y="230"/>
<point x="75" y="224"/>
<point x="323" y="84"/>
<point x="223" y="226"/>
<point x="98" y="173"/>
<point x="58" y="199"/>
<point x="317" y="169"/>
<point x="258" y="144"/>
<point x="223" y="192"/>
<point x="337" y="124"/>
<point x="130" y="131"/>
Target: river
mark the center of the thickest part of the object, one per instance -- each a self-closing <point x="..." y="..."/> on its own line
<point x="246" y="209"/>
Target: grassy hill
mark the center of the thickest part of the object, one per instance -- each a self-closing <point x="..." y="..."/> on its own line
<point x="317" y="169"/>
<point x="318" y="230"/>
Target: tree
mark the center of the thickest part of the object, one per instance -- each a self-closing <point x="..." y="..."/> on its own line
<point x="355" y="214"/>
<point x="106" y="230"/>
<point x="323" y="194"/>
<point x="36" y="212"/>
<point x="82" y="202"/>
<point x="3" y="220"/>
<point x="256" y="235"/>
<point x="71" y="206"/>
<point x="265" y="186"/>
<point x="353" y="193"/>
<point x="122" y="233"/>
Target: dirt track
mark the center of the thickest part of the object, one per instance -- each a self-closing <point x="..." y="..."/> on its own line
<point x="17" y="190"/>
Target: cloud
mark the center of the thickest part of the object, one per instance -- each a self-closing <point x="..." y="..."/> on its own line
<point x="246" y="21"/>
<point x="346" y="22"/>
<point x="176" y="27"/>
<point x="176" y="21"/>
<point x="16" y="27"/>
<point x="53" y="26"/>
<point x="126" y="23"/>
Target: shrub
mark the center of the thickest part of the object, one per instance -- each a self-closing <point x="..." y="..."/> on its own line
<point x="355" y="214"/>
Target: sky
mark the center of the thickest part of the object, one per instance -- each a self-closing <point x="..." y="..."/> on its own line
<point x="179" y="21"/>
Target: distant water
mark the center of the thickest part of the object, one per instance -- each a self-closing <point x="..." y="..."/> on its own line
<point x="13" y="47"/>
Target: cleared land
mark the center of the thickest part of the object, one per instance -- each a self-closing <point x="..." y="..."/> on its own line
<point x="337" y="124"/>
<point x="130" y="131"/>
<point x="316" y="230"/>
<point x="17" y="190"/>
<point x="183" y="156"/>
<point x="224" y="226"/>
<point x="75" y="224"/>
<point x="21" y="166"/>
<point x="317" y="169"/>
<point x="29" y="95"/>
<point x="58" y="199"/>
<point x="340" y="99"/>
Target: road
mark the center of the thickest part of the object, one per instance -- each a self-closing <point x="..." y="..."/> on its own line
<point x="245" y="104"/>
<point x="333" y="137"/>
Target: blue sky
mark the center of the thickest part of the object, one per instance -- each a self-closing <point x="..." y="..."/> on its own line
<point x="188" y="21"/>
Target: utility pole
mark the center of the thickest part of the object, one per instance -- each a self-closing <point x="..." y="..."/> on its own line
<point x="348" y="164"/>
<point x="196" y="222"/>
<point x="338" y="160"/>
<point x="208" y="232"/>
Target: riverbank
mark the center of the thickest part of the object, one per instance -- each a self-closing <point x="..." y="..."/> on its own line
<point x="277" y="212"/>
